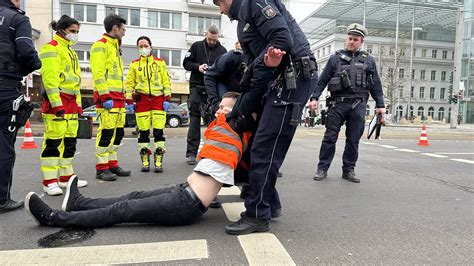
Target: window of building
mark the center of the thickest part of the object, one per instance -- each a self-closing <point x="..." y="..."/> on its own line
<point x="441" y="113"/>
<point x="324" y="50"/>
<point x="422" y="93"/>
<point x="403" y="51"/>
<point x="400" y="92"/>
<point x="110" y="10"/>
<point x="431" y="111"/>
<point x="80" y="12"/>
<point x="433" y="74"/>
<point x="176" y="22"/>
<point x="171" y="57"/>
<point x="452" y="55"/>
<point x="391" y="50"/>
<point x="390" y="72"/>
<point x="91" y="13"/>
<point x="412" y="74"/>
<point x="66" y="9"/>
<point x="123" y="12"/>
<point x="198" y="25"/>
<point x="401" y="73"/>
<point x="432" y="92"/>
<point x="423" y="53"/>
<point x="132" y="16"/>
<point x="442" y="93"/>
<point x="80" y="55"/>
<point x="421" y="110"/>
<point x="434" y="53"/>
<point x="412" y="92"/>
<point x="414" y="52"/>
<point x="165" y="20"/>
<point x="443" y="75"/>
<point x="318" y="53"/>
<point x="369" y="48"/>
<point x="381" y="52"/>
<point x="411" y="111"/>
<point x="329" y="49"/>
<point x="445" y="55"/>
<point x="135" y="17"/>
<point x="422" y="74"/>
<point x="399" y="111"/>
<point x="152" y="19"/>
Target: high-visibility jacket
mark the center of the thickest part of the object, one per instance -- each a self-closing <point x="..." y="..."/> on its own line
<point x="223" y="144"/>
<point x="107" y="71"/>
<point x="61" y="75"/>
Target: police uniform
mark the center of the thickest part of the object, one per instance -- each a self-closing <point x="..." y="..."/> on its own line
<point x="277" y="94"/>
<point x="350" y="78"/>
<point x="18" y="58"/>
<point x="148" y="77"/>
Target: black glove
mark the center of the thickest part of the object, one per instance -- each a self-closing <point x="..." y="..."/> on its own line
<point x="241" y="123"/>
<point x="246" y="78"/>
<point x="214" y="105"/>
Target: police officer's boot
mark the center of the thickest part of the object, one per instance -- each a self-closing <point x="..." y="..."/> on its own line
<point x="105" y="175"/>
<point x="145" y="157"/>
<point x="320" y="175"/>
<point x="159" y="159"/>
<point x="350" y="176"/>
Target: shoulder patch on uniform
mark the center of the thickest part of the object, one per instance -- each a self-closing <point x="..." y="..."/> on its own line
<point x="104" y="40"/>
<point x="246" y="27"/>
<point x="188" y="54"/>
<point x="269" y="12"/>
<point x="53" y="42"/>
<point x="158" y="59"/>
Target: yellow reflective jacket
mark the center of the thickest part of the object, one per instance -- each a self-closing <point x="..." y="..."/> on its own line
<point x="107" y="71"/>
<point x="61" y="75"/>
<point x="149" y="75"/>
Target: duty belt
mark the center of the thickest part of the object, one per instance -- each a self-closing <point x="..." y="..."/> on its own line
<point x="348" y="99"/>
<point x="305" y="62"/>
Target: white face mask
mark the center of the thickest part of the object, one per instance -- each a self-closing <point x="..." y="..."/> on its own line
<point x="73" y="37"/>
<point x="144" y="51"/>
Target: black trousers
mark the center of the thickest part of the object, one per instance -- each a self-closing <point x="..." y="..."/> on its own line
<point x="355" y="120"/>
<point x="195" y="103"/>
<point x="173" y="205"/>
<point x="7" y="141"/>
<point x="271" y="142"/>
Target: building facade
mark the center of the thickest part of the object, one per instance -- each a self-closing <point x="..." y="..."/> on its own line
<point x="467" y="64"/>
<point x="172" y="26"/>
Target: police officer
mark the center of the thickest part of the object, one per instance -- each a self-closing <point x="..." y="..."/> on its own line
<point x="350" y="75"/>
<point x="18" y="58"/>
<point x="200" y="56"/>
<point x="266" y="27"/>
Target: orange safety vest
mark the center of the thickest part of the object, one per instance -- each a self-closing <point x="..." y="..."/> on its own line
<point x="223" y="144"/>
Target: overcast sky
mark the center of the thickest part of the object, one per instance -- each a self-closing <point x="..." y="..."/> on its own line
<point x="300" y="9"/>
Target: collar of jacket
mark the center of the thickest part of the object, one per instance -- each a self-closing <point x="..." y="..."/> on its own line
<point x="147" y="59"/>
<point x="112" y="40"/>
<point x="234" y="9"/>
<point x="61" y="40"/>
<point x="9" y="4"/>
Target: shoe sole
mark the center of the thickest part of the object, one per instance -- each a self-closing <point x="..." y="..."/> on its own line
<point x="235" y="233"/>
<point x="68" y="193"/>
<point x="27" y="206"/>
<point x="319" y="179"/>
<point x="52" y="194"/>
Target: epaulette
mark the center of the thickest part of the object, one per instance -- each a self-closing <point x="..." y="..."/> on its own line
<point x="158" y="59"/>
<point x="104" y="40"/>
<point x="136" y="60"/>
<point x="53" y="43"/>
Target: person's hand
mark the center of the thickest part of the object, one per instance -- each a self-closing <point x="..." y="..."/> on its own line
<point x="203" y="68"/>
<point x="242" y="124"/>
<point x="60" y="114"/>
<point x="109" y="104"/>
<point x="273" y="57"/>
<point x="313" y="105"/>
<point x="381" y="111"/>
<point x="166" y="106"/>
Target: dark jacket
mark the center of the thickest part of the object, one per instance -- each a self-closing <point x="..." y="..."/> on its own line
<point x="199" y="54"/>
<point x="18" y="56"/>
<point x="265" y="23"/>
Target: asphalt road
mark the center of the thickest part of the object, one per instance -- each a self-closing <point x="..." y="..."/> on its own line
<point x="414" y="205"/>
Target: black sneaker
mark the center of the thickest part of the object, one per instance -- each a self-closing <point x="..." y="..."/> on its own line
<point x="10" y="205"/>
<point x="39" y="210"/>
<point x="247" y="225"/>
<point x="105" y="175"/>
<point x="72" y="194"/>
<point x="350" y="176"/>
<point x="191" y="160"/>
<point x="215" y="204"/>
<point x="320" y="175"/>
<point x="119" y="171"/>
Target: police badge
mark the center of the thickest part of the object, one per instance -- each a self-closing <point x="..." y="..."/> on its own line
<point x="268" y="12"/>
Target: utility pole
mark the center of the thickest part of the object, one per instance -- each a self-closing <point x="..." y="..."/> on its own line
<point x="457" y="67"/>
<point x="395" y="68"/>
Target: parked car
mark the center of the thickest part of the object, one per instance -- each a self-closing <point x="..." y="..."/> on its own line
<point x="175" y="117"/>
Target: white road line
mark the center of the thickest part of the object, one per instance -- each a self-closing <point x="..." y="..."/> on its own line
<point x="406" y="150"/>
<point x="232" y="210"/>
<point x="463" y="161"/>
<point x="264" y="249"/>
<point x="435" y="155"/>
<point x="229" y="191"/>
<point x="110" y="254"/>
<point x="388" y="146"/>
<point x="456" y="153"/>
<point x="369" y="143"/>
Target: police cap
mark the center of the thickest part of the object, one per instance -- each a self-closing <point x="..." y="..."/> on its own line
<point x="357" y="29"/>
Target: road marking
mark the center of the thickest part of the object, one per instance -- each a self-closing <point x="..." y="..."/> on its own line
<point x="110" y="254"/>
<point x="264" y="249"/>
<point x="456" y="153"/>
<point x="406" y="150"/>
<point x="232" y="210"/>
<point x="369" y="143"/>
<point x="388" y="146"/>
<point x="435" y="155"/>
<point x="463" y="161"/>
<point x="229" y="191"/>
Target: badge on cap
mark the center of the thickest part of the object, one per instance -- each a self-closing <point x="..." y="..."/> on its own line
<point x="268" y="12"/>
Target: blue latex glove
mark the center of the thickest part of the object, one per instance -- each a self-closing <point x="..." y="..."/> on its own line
<point x="108" y="104"/>
<point x="166" y="106"/>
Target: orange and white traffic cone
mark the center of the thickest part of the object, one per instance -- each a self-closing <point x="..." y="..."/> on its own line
<point x="423" y="138"/>
<point x="28" y="141"/>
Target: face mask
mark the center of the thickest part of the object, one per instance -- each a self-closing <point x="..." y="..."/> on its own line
<point x="144" y="51"/>
<point x="73" y="37"/>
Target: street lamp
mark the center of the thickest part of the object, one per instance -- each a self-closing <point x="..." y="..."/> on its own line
<point x="413" y="29"/>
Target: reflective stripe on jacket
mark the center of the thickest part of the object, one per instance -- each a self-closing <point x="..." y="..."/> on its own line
<point x="107" y="70"/>
<point x="61" y="75"/>
<point x="223" y="144"/>
<point x="148" y="76"/>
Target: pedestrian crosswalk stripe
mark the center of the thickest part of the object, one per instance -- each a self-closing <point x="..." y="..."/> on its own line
<point x="264" y="249"/>
<point x="406" y="150"/>
<point x="229" y="191"/>
<point x="232" y="210"/>
<point x="110" y="254"/>
<point x="463" y="161"/>
<point x="369" y="143"/>
<point x="456" y="153"/>
<point x="435" y="155"/>
<point x="388" y="146"/>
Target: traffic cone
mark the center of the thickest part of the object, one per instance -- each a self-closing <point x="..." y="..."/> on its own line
<point x="28" y="141"/>
<point x="423" y="138"/>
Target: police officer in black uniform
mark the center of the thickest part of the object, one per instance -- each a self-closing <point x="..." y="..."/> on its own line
<point x="18" y="58"/>
<point x="351" y="75"/>
<point x="277" y="94"/>
<point x="200" y="56"/>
